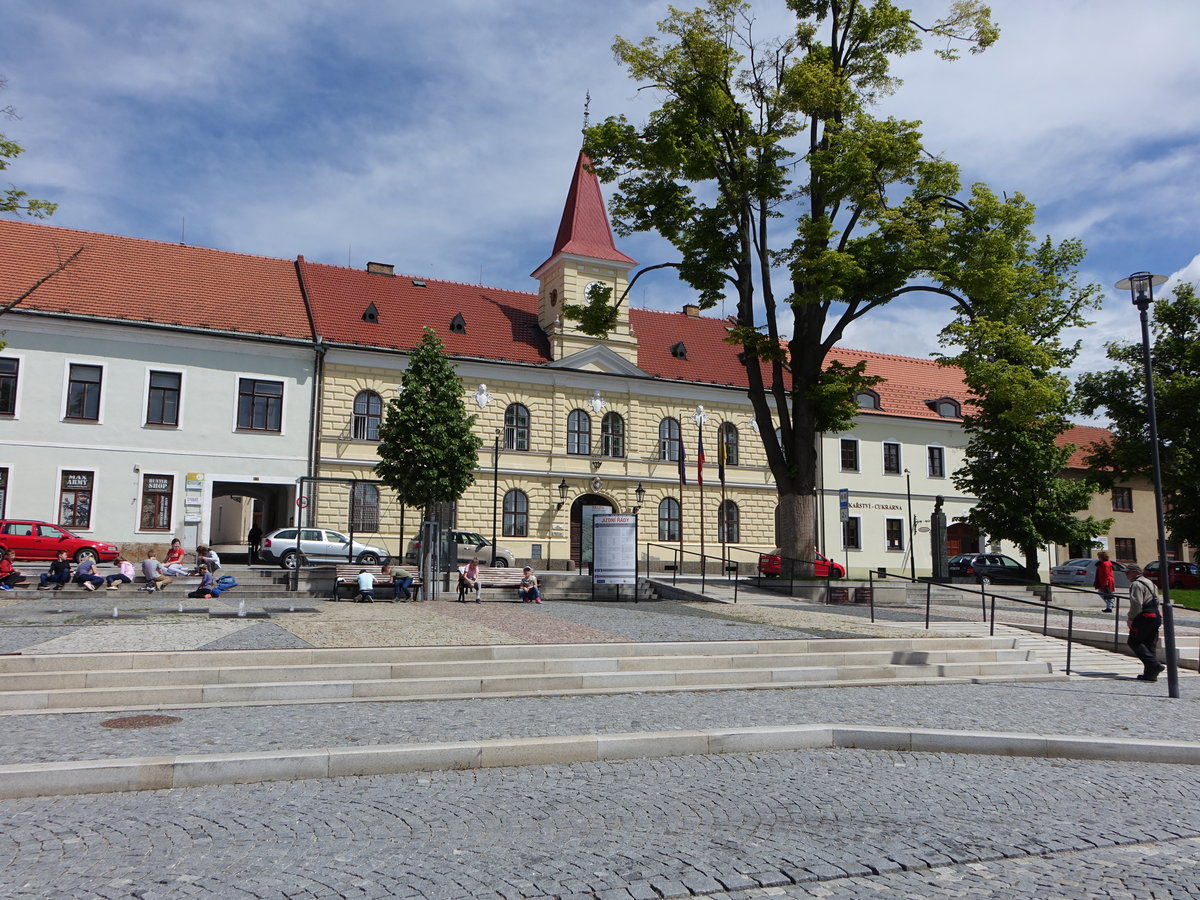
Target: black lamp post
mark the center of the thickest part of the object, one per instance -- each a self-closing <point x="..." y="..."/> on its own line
<point x="495" y="489"/>
<point x="563" y="487"/>
<point x="640" y="494"/>
<point x="1141" y="288"/>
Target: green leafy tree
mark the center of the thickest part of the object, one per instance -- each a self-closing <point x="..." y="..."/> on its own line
<point x="766" y="170"/>
<point x="427" y="451"/>
<point x="13" y="199"/>
<point x="1120" y="393"/>
<point x="1008" y="340"/>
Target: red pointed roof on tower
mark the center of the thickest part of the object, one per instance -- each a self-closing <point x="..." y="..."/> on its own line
<point x="584" y="229"/>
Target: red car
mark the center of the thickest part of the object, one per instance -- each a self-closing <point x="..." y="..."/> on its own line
<point x="1183" y="574"/>
<point x="41" y="540"/>
<point x="823" y="566"/>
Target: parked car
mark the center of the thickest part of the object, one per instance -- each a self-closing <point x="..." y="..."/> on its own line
<point x="1183" y="574"/>
<point x="468" y="544"/>
<point x="771" y="564"/>
<point x="41" y="540"/>
<point x="318" y="545"/>
<point x="989" y="568"/>
<point x="1082" y="572"/>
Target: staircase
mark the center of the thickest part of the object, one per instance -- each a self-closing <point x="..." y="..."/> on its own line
<point x="159" y="680"/>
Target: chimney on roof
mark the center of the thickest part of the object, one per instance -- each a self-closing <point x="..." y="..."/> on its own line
<point x="381" y="268"/>
<point x="692" y="310"/>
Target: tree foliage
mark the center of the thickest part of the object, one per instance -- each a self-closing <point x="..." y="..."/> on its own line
<point x="12" y="199"/>
<point x="766" y="169"/>
<point x="1120" y="393"/>
<point x="427" y="451"/>
<point x="1007" y="334"/>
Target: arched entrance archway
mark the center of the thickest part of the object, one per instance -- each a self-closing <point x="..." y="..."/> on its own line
<point x="581" y="538"/>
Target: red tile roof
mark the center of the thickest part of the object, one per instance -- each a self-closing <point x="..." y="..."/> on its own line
<point x="129" y="279"/>
<point x="1083" y="437"/>
<point x="584" y="229"/>
<point x="500" y="325"/>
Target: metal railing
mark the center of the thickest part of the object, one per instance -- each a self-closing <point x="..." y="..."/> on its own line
<point x="987" y="600"/>
<point x="728" y="568"/>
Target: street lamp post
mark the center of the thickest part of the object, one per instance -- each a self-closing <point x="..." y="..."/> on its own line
<point x="1141" y="288"/>
<point x="912" y="551"/>
<point x="495" y="490"/>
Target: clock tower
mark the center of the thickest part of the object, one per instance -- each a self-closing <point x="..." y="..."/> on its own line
<point x="584" y="254"/>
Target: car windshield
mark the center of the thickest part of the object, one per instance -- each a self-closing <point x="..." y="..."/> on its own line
<point x="334" y="538"/>
<point x="1077" y="562"/>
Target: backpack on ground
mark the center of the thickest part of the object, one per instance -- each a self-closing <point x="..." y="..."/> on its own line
<point x="225" y="582"/>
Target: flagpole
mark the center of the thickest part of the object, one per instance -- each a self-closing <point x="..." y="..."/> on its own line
<point x="700" y="418"/>
<point x="682" y="482"/>
<point x="721" y="459"/>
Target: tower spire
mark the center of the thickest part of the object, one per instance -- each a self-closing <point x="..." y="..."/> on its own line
<point x="587" y="102"/>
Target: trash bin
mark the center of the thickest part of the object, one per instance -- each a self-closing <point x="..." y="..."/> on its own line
<point x="863" y="594"/>
<point x="839" y="594"/>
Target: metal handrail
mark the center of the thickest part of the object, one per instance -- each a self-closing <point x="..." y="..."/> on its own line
<point x="704" y="558"/>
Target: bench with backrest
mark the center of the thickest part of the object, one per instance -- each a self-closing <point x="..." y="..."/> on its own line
<point x="499" y="579"/>
<point x="347" y="577"/>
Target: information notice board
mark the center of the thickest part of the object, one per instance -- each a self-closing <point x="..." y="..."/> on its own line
<point x="615" y="550"/>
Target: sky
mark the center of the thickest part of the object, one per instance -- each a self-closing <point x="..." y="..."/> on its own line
<point x="440" y="136"/>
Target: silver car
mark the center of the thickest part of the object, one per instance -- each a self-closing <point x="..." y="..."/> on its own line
<point x="318" y="545"/>
<point x="1082" y="572"/>
<point x="468" y="545"/>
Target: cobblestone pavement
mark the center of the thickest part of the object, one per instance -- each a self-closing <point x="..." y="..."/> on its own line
<point x="821" y="823"/>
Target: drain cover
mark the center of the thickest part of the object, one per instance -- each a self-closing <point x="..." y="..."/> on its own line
<point x="141" y="721"/>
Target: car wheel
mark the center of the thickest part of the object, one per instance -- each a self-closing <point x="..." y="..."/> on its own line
<point x="835" y="573"/>
<point x="500" y="563"/>
<point x="86" y="553"/>
<point x="289" y="560"/>
<point x="985" y="580"/>
<point x="368" y="559"/>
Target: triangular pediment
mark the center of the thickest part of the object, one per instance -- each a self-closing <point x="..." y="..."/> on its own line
<point x="598" y="359"/>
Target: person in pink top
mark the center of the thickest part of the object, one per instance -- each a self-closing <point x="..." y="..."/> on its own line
<point x="1106" y="583"/>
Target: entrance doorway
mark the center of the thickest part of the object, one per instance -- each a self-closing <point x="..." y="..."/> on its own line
<point x="581" y="538"/>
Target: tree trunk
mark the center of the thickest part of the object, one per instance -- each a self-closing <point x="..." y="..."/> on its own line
<point x="797" y="533"/>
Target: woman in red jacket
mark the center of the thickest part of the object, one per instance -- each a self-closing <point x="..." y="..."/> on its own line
<point x="1106" y="584"/>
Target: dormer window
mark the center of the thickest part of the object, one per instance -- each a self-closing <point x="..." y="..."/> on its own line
<point x="679" y="351"/>
<point x="946" y="407"/>
<point x="370" y="314"/>
<point x="458" y="324"/>
<point x="867" y="400"/>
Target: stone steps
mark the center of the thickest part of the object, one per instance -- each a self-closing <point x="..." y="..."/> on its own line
<point x="224" y="678"/>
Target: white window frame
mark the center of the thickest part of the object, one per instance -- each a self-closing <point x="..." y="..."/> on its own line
<point x="899" y="548"/>
<point x="66" y="390"/>
<point x="21" y="375"/>
<point x="237" y="394"/>
<point x="928" y="467"/>
<point x="57" y="507"/>
<point x="899" y="456"/>
<point x="146" y="396"/>
<point x="141" y="483"/>
<point x="857" y="454"/>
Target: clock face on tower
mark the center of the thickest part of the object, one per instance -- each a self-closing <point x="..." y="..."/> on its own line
<point x="554" y="297"/>
<point x="587" y="289"/>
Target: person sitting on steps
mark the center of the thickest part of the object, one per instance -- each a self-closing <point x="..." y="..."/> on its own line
<point x="58" y="574"/>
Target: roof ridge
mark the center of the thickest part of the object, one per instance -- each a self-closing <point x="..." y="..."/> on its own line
<point x="429" y="278"/>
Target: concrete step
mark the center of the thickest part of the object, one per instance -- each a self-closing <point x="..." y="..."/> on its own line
<point x="223" y="678"/>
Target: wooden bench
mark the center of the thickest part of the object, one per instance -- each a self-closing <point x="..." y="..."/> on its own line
<point x="347" y="576"/>
<point x="493" y="579"/>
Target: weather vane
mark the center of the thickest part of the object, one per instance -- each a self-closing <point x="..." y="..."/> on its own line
<point x="587" y="101"/>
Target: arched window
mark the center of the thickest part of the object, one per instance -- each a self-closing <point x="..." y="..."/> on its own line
<point x="516" y="514"/>
<point x="727" y="436"/>
<point x="579" y="433"/>
<point x="612" y="435"/>
<point x="516" y="427"/>
<point x="364" y="507"/>
<point x="729" y="522"/>
<point x="668" y="519"/>
<point x="668" y="440"/>
<point x="368" y="412"/>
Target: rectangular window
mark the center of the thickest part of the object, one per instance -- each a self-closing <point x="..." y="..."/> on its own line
<point x="75" y="499"/>
<point x="852" y="534"/>
<point x="3" y="493"/>
<point x="849" y="455"/>
<point x="260" y="405"/>
<point x="9" y="369"/>
<point x="895" y="534"/>
<point x="891" y="458"/>
<point x="1126" y="549"/>
<point x="162" y="405"/>
<point x="83" y="392"/>
<point x="157" y="491"/>
<point x="937" y="462"/>
<point x="1122" y="499"/>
